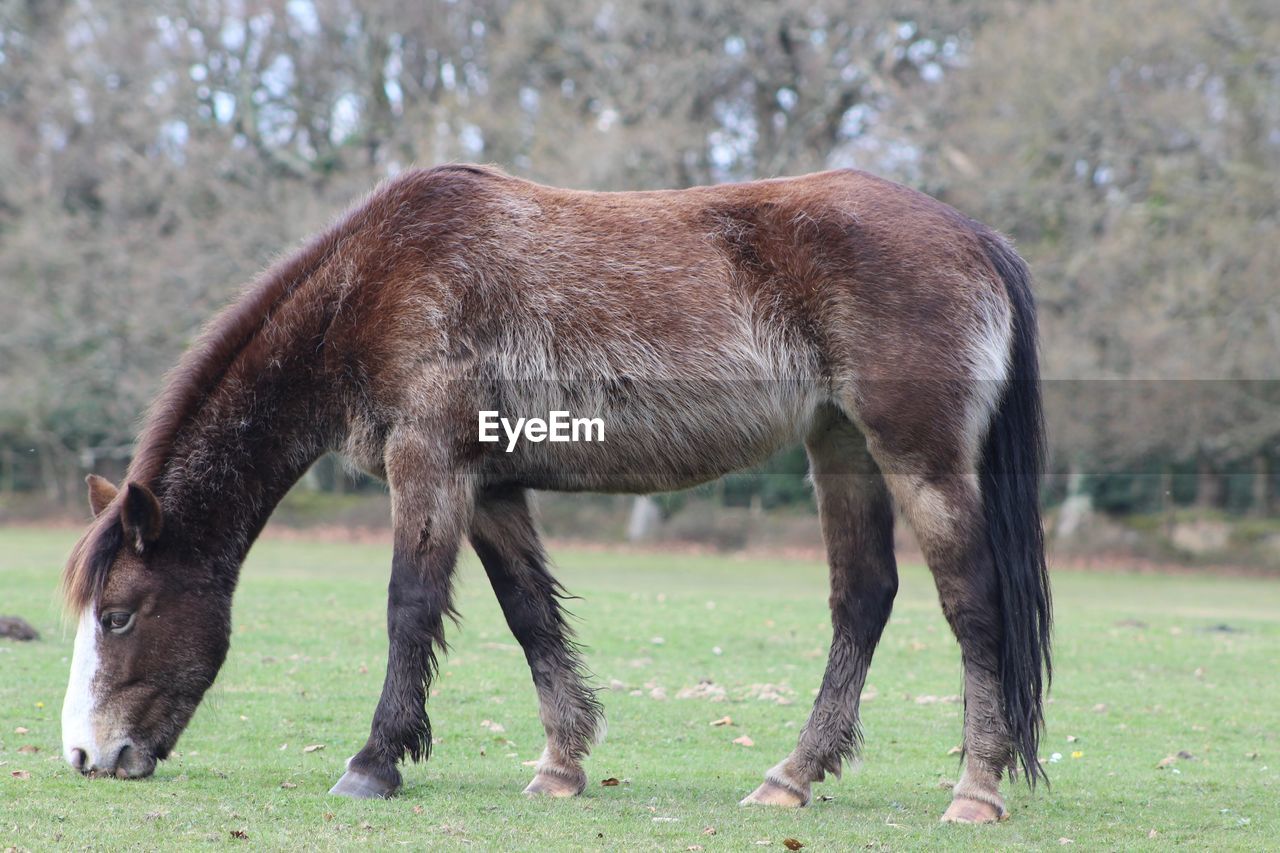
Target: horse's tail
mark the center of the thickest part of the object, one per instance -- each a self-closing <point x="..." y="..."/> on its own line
<point x="1012" y="465"/>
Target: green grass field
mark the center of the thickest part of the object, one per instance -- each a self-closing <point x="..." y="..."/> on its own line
<point x="1147" y="666"/>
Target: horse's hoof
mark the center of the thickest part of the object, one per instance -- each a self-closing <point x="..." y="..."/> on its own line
<point x="362" y="786"/>
<point x="773" y="794"/>
<point x="963" y="810"/>
<point x="553" y="785"/>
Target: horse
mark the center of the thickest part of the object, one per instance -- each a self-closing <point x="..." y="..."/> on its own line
<point x="706" y="328"/>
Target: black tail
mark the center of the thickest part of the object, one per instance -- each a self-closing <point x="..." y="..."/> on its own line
<point x="1012" y="464"/>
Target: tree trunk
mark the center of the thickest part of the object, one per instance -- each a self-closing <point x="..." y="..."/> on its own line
<point x="645" y="517"/>
<point x="1263" y="491"/>
<point x="1078" y="506"/>
<point x="1208" y="485"/>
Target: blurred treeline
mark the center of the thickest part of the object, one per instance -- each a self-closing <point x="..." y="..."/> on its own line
<point x="155" y="155"/>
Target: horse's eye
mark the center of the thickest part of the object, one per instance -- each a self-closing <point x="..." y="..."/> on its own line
<point x="117" y="621"/>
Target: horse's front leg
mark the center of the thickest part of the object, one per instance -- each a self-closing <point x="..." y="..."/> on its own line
<point x="430" y="509"/>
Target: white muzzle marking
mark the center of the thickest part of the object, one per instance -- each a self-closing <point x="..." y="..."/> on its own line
<point x="78" y="707"/>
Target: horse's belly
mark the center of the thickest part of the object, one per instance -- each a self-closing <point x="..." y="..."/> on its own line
<point x="650" y="443"/>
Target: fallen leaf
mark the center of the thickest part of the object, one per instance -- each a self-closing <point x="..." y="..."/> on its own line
<point x="791" y="844"/>
<point x="418" y="809"/>
<point x="531" y="763"/>
<point x="315" y="747"/>
<point x="955" y="750"/>
<point x="1186" y="756"/>
<point x="20" y="774"/>
<point x="240" y="834"/>
<point x="1077" y="754"/>
<point x="288" y="786"/>
<point x="659" y="693"/>
<point x="744" y="741"/>
<point x="825" y="798"/>
<point x="1166" y="761"/>
<point x="28" y="749"/>
<point x="708" y="830"/>
<point x="1100" y="708"/>
<point x="366" y="826"/>
<point x="22" y="730"/>
<point x="723" y="721"/>
<point x="328" y="815"/>
<point x="1066" y="841"/>
<point x="1072" y="738"/>
<point x="496" y="728"/>
<point x="694" y="847"/>
<point x="611" y="782"/>
<point x="1153" y="834"/>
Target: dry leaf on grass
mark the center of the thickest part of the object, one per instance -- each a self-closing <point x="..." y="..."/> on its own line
<point x="20" y="774"/>
<point x="1153" y="834"/>
<point x="744" y="741"/>
<point x="288" y="786"/>
<point x="708" y="830"/>
<point x="418" y="809"/>
<point x="496" y="728"/>
<point x="22" y="730"/>
<point x="791" y="844"/>
<point x="1066" y="841"/>
<point x="240" y="834"/>
<point x="315" y="747"/>
<point x="723" y="721"/>
<point x="611" y="782"/>
<point x="28" y="749"/>
<point x="694" y="847"/>
<point x="955" y="750"/>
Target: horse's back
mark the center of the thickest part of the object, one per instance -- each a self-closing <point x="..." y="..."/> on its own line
<point x="736" y="310"/>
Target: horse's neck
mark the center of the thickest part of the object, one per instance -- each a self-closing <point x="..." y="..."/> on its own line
<point x="241" y="451"/>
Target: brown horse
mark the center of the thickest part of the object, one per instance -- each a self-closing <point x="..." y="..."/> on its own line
<point x="706" y="328"/>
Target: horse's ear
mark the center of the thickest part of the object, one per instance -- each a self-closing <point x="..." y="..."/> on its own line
<point x="101" y="493"/>
<point x="140" y="516"/>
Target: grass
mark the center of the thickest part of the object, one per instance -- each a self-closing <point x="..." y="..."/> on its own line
<point x="1144" y="671"/>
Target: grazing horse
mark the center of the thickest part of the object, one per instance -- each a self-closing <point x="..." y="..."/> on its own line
<point x="706" y="328"/>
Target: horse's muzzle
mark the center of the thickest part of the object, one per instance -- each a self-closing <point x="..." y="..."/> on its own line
<point x="126" y="761"/>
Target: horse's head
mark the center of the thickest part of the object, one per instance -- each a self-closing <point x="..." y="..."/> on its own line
<point x="153" y="633"/>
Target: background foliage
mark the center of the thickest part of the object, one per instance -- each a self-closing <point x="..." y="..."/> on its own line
<point x="155" y="155"/>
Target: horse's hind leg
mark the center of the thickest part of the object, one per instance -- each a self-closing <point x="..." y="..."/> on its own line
<point x="945" y="510"/>
<point x="504" y="537"/>
<point x="936" y="485"/>
<point x="857" y="524"/>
